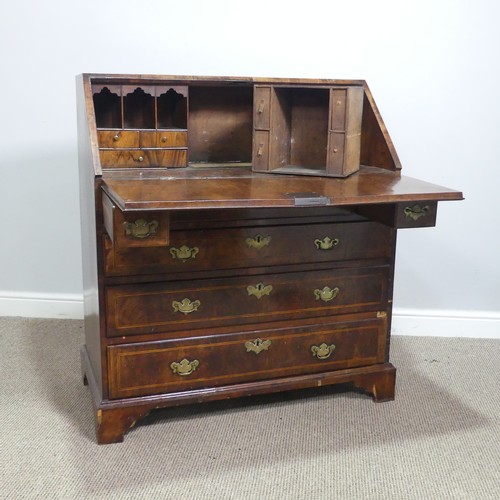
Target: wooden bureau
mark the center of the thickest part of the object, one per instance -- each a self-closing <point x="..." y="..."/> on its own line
<point x="238" y="238"/>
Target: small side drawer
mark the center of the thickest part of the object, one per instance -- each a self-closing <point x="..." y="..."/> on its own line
<point x="138" y="229"/>
<point x="175" y="365"/>
<point x="118" y="138"/>
<point x="338" y="108"/>
<point x="261" y="151"/>
<point x="262" y="108"/>
<point x="201" y="304"/>
<point x="402" y="215"/>
<point x="163" y="139"/>
<point x="233" y="248"/>
<point x="419" y="214"/>
<point x="336" y="152"/>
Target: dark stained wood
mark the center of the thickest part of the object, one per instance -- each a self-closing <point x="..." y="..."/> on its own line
<point x="145" y="368"/>
<point x="137" y="322"/>
<point x="262" y="108"/>
<point x="377" y="149"/>
<point x="220" y="124"/>
<point x="231" y="248"/>
<point x="402" y="215"/>
<point x="89" y="215"/>
<point x="115" y="417"/>
<point x="137" y="309"/>
<point x="232" y="188"/>
<point x="117" y="224"/>
<point x="380" y="385"/>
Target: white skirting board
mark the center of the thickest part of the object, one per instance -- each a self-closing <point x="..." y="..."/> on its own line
<point x="446" y="323"/>
<point x="420" y="322"/>
<point x="38" y="305"/>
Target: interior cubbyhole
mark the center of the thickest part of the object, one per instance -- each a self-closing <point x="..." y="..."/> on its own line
<point x="220" y="125"/>
<point x="139" y="110"/>
<point x="108" y="109"/>
<point x="300" y="128"/>
<point x="172" y="110"/>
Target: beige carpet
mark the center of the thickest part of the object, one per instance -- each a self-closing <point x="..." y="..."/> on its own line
<point x="440" y="439"/>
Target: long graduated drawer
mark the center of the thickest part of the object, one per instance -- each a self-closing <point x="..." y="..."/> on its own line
<point x="173" y="306"/>
<point x="176" y="365"/>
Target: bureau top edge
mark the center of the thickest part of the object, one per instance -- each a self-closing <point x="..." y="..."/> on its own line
<point x="117" y="79"/>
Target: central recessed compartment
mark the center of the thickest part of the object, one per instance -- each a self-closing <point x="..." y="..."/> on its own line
<point x="220" y="125"/>
<point x="300" y="126"/>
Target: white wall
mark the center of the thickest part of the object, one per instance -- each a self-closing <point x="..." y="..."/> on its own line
<point x="432" y="66"/>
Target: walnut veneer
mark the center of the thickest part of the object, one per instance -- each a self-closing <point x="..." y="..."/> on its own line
<point x="210" y="275"/>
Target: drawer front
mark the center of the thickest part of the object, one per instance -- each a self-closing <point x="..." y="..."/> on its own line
<point x="201" y="304"/>
<point x="169" y="366"/>
<point x="163" y="139"/>
<point x="233" y="248"/>
<point x="138" y="158"/>
<point x="261" y="151"/>
<point x="118" y="138"/>
<point x="338" y="106"/>
<point x="336" y="153"/>
<point x="133" y="158"/>
<point x="134" y="229"/>
<point x="262" y="107"/>
<point x="171" y="157"/>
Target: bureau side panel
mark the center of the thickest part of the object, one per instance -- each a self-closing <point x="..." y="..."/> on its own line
<point x="89" y="185"/>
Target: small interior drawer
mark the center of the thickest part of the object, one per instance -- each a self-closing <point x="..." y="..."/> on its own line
<point x="174" y="365"/>
<point x="174" y="158"/>
<point x="262" y="108"/>
<point x="163" y="139"/>
<point x="261" y="151"/>
<point x="118" y="138"/>
<point x="127" y="158"/>
<point x="338" y="107"/>
<point x="143" y="158"/>
<point x="137" y="229"/>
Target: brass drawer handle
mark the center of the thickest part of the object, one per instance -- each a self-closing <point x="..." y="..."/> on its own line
<point x="184" y="367"/>
<point x="326" y="294"/>
<point x="259" y="290"/>
<point x="322" y="351"/>
<point x="140" y="228"/>
<point x="116" y="137"/>
<point x="416" y="211"/>
<point x="186" y="306"/>
<point x="257" y="345"/>
<point x="326" y="243"/>
<point x="258" y="241"/>
<point x="184" y="252"/>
